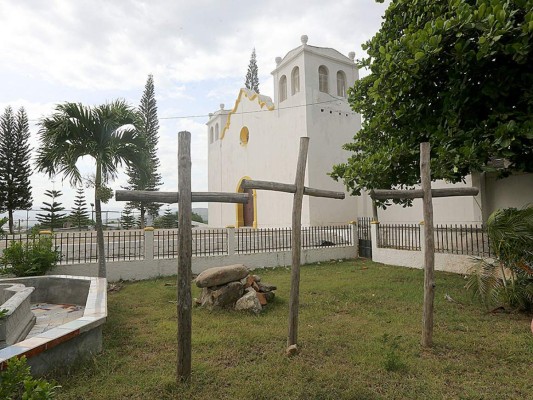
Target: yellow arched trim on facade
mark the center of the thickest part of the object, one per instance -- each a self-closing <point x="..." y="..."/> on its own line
<point x="239" y="222"/>
<point x="250" y="95"/>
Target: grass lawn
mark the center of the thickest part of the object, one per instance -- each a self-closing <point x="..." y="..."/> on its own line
<point x="359" y="335"/>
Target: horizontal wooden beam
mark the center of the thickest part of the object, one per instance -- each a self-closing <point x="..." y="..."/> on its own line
<point x="290" y="188"/>
<point x="173" y="197"/>
<point x="384" y="194"/>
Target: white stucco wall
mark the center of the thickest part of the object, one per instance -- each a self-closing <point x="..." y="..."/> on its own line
<point x="274" y="132"/>
<point x="446" y="210"/>
<point x="513" y="191"/>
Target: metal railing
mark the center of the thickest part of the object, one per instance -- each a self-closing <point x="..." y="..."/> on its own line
<point x="363" y="228"/>
<point x="399" y="236"/>
<point x="205" y="242"/>
<point x="81" y="247"/>
<point x="462" y="239"/>
<point x="280" y="239"/>
<point x="453" y="239"/>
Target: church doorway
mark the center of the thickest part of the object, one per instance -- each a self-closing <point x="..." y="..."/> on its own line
<point x="247" y="213"/>
<point x="248" y="210"/>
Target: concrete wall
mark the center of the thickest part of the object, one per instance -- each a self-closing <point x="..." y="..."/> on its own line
<point x="513" y="191"/>
<point x="146" y="269"/>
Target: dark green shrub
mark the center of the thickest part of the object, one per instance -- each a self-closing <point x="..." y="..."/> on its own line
<point x="17" y="383"/>
<point x="508" y="279"/>
<point x="36" y="256"/>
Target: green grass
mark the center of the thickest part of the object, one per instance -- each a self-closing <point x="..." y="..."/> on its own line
<point x="359" y="335"/>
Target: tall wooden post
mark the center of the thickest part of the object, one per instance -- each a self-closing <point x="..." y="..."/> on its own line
<point x="184" y="257"/>
<point x="296" y="242"/>
<point x="429" y="251"/>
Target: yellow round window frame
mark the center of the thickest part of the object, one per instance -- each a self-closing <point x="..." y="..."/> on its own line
<point x="245" y="136"/>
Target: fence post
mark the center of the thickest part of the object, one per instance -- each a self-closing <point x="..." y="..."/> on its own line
<point x="422" y="244"/>
<point x="422" y="237"/>
<point x="149" y="243"/>
<point x="231" y="240"/>
<point x="374" y="226"/>
<point x="355" y="237"/>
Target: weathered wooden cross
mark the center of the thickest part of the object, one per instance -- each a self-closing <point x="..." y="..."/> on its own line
<point x="184" y="197"/>
<point x="427" y="194"/>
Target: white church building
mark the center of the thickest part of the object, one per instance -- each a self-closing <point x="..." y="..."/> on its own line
<point x="259" y="139"/>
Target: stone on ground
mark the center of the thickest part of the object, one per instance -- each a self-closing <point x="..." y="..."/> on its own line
<point x="220" y="275"/>
<point x="249" y="302"/>
<point x="222" y="297"/>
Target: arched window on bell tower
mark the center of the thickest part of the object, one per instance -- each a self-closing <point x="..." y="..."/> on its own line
<point x="323" y="79"/>
<point x="295" y="80"/>
<point x="341" y="84"/>
<point x="283" y="88"/>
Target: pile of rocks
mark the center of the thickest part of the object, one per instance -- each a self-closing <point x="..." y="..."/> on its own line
<point x="232" y="286"/>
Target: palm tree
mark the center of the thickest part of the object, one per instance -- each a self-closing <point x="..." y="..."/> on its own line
<point x="508" y="278"/>
<point x="106" y="133"/>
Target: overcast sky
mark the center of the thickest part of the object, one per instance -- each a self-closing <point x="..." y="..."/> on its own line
<point x="93" y="51"/>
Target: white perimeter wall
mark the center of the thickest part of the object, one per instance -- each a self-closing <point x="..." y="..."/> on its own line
<point x="140" y="269"/>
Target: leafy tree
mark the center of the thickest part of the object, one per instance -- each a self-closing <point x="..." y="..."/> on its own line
<point x="53" y="217"/>
<point x="252" y="80"/>
<point x="148" y="178"/>
<point x="455" y="73"/>
<point x="127" y="220"/>
<point x="79" y="216"/>
<point x="168" y="220"/>
<point x="106" y="133"/>
<point x="15" y="171"/>
<point x="197" y="218"/>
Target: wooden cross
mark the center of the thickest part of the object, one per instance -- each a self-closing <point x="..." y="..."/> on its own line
<point x="299" y="191"/>
<point x="426" y="193"/>
<point x="185" y="197"/>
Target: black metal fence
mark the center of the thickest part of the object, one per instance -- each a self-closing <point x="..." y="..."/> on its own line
<point x="280" y="239"/>
<point x="205" y="242"/>
<point x="363" y="228"/>
<point x="462" y="239"/>
<point x="399" y="236"/>
<point x="81" y="247"/>
<point x="453" y="239"/>
<point x="258" y="240"/>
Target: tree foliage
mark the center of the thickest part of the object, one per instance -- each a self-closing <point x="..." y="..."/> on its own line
<point x="35" y="256"/>
<point x="147" y="177"/>
<point x="252" y="79"/>
<point x="168" y="220"/>
<point x="106" y="133"/>
<point x="53" y="217"/>
<point x="508" y="279"/>
<point x="79" y="216"/>
<point x="15" y="171"/>
<point x="127" y="219"/>
<point x="455" y="73"/>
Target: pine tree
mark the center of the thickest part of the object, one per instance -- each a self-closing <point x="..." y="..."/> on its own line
<point x="148" y="178"/>
<point x="53" y="217"/>
<point x="15" y="171"/>
<point x="79" y="215"/>
<point x="252" y="80"/>
<point x="127" y="220"/>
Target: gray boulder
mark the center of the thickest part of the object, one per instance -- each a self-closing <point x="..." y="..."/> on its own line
<point x="249" y="302"/>
<point x="223" y="297"/>
<point x="220" y="275"/>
